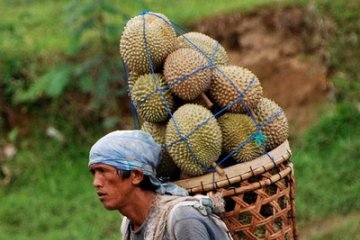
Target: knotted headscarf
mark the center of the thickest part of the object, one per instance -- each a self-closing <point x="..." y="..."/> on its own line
<point x="130" y="150"/>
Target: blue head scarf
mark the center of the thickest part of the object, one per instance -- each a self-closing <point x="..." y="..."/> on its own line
<point x="130" y="150"/>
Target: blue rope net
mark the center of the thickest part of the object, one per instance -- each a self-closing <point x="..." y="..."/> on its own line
<point x="257" y="136"/>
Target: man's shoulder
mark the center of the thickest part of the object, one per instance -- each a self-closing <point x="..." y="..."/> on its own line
<point x="193" y="214"/>
<point x="185" y="210"/>
<point x="188" y="210"/>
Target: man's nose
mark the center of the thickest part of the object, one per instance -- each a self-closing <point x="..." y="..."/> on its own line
<point x="97" y="181"/>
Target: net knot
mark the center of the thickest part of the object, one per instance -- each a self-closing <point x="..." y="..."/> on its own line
<point x="259" y="138"/>
<point x="144" y="12"/>
<point x="183" y="138"/>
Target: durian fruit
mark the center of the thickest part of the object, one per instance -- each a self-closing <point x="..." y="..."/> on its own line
<point x="160" y="41"/>
<point x="276" y="129"/>
<point x="203" y="145"/>
<point x="222" y="91"/>
<point x="209" y="46"/>
<point x="166" y="169"/>
<point x="236" y="129"/>
<point x="132" y="77"/>
<point x="188" y="73"/>
<point x="151" y="103"/>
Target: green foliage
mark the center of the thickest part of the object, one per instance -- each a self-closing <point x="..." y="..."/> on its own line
<point x="327" y="166"/>
<point x="94" y="40"/>
<point x="91" y="19"/>
<point x="12" y="62"/>
<point x="344" y="47"/>
<point x="51" y="84"/>
<point x="52" y="196"/>
<point x="50" y="51"/>
<point x="344" y="229"/>
<point x="87" y="31"/>
<point x="24" y="42"/>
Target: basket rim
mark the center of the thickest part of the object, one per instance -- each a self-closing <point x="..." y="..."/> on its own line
<point x="240" y="171"/>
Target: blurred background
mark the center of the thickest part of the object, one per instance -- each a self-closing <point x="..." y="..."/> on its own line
<point x="62" y="86"/>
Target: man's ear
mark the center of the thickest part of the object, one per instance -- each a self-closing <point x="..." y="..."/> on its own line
<point x="137" y="176"/>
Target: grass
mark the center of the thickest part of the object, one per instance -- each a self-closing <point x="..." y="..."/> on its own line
<point x="52" y="196"/>
<point x="29" y="23"/>
<point x="334" y="227"/>
<point x="41" y="25"/>
<point x="327" y="166"/>
<point x="344" y="47"/>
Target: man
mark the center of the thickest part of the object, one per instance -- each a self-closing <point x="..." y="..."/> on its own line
<point x="123" y="164"/>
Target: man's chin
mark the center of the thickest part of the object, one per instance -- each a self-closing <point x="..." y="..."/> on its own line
<point x="109" y="207"/>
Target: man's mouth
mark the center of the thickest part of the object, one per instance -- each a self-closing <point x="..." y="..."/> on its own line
<point x="101" y="195"/>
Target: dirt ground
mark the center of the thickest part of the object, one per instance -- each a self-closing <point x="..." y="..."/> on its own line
<point x="285" y="48"/>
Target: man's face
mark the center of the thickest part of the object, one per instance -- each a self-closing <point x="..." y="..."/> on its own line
<point x="110" y="187"/>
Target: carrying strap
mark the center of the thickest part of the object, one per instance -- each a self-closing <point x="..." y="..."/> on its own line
<point x="202" y="205"/>
<point x="124" y="228"/>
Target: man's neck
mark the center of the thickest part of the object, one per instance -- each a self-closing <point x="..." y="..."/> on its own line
<point x="139" y="208"/>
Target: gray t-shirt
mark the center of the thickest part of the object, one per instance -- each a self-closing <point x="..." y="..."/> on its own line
<point x="188" y="224"/>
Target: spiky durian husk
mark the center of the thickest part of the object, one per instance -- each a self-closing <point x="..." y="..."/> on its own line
<point x="277" y="130"/>
<point x="223" y="92"/>
<point x="166" y="168"/>
<point x="132" y="77"/>
<point x="160" y="41"/>
<point x="207" y="45"/>
<point x="236" y="129"/>
<point x="152" y="104"/>
<point x="188" y="73"/>
<point x="204" y="142"/>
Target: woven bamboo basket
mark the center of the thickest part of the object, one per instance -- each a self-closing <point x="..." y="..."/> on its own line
<point x="259" y="195"/>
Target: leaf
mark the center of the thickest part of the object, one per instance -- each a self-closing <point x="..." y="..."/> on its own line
<point x="35" y="91"/>
<point x="89" y="9"/>
<point x="85" y="25"/>
<point x="109" y="8"/>
<point x="113" y="30"/>
<point x="86" y="84"/>
<point x="7" y="26"/>
<point x="13" y="134"/>
<point x="86" y="66"/>
<point x="73" y="46"/>
<point x="60" y="78"/>
<point x="72" y="13"/>
<point x="102" y="89"/>
<point x="75" y="13"/>
<point x="52" y="84"/>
